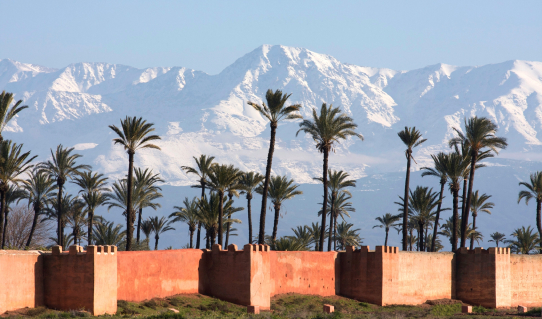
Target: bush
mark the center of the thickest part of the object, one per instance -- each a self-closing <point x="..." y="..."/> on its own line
<point x="36" y="311"/>
<point x="445" y="310"/>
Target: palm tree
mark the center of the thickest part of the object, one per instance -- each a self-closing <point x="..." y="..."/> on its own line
<point x="209" y="213"/>
<point x="496" y="237"/>
<point x="288" y="243"/>
<point x="106" y="233"/>
<point x="232" y="191"/>
<point x="341" y="207"/>
<point x="66" y="239"/>
<point x="188" y="215"/>
<point x="220" y="179"/>
<point x="203" y="164"/>
<point x="386" y="221"/>
<point x="52" y="213"/>
<point x="454" y="166"/>
<point x="412" y="138"/>
<point x="315" y="230"/>
<point x="145" y="179"/>
<point x="437" y="172"/>
<point x="328" y="129"/>
<point x="534" y="190"/>
<point x="280" y="189"/>
<point x="13" y="164"/>
<point x="93" y="188"/>
<point x="423" y="202"/>
<point x="142" y="197"/>
<point x="76" y="217"/>
<point x="479" y="135"/>
<point x="160" y="226"/>
<point x="248" y="182"/>
<point x="337" y="181"/>
<point x="447" y="230"/>
<point x="13" y="194"/>
<point x="346" y="236"/>
<point x="302" y="234"/>
<point x="526" y="240"/>
<point x="38" y="189"/>
<point x="62" y="167"/>
<point x="274" y="111"/>
<point x="479" y="204"/>
<point x="135" y="135"/>
<point x="7" y="114"/>
<point x="146" y="227"/>
<point x="438" y="244"/>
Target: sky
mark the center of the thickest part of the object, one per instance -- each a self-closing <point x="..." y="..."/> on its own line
<point x="210" y="35"/>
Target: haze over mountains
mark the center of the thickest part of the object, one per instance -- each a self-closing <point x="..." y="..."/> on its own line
<point x="197" y="113"/>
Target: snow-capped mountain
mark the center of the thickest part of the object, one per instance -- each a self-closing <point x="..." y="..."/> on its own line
<point x="197" y="113"/>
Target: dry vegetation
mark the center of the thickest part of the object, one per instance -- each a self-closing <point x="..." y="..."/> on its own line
<point x="18" y="229"/>
<point x="284" y="306"/>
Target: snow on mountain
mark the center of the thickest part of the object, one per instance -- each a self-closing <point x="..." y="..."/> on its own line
<point x="197" y="113"/>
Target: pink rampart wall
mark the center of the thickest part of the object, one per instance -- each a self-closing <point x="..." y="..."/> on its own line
<point x="526" y="280"/>
<point x="143" y="275"/>
<point x="304" y="272"/>
<point x="21" y="279"/>
<point x="424" y="276"/>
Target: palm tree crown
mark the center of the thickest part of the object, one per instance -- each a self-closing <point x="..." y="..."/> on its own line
<point x="386" y="221"/>
<point x="479" y="204"/>
<point x="497" y="237"/>
<point x="6" y="113"/>
<point x="38" y="189"/>
<point x="187" y="214"/>
<point x="160" y="226"/>
<point x="534" y="190"/>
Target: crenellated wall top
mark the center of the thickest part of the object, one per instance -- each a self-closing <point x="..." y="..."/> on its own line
<point x="91" y="249"/>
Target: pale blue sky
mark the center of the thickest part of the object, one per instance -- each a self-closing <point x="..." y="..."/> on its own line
<point x="210" y="35"/>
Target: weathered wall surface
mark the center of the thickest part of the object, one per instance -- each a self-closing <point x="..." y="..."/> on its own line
<point x="424" y="276"/>
<point x="526" y="280"/>
<point x="238" y="276"/>
<point x="304" y="272"/>
<point x="483" y="277"/>
<point x="79" y="279"/>
<point x="21" y="280"/>
<point x="145" y="275"/>
<point x="361" y="275"/>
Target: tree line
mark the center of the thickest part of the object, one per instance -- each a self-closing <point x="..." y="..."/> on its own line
<point x="420" y="209"/>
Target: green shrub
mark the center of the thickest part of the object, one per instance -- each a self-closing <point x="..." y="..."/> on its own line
<point x="445" y="310"/>
<point x="36" y="311"/>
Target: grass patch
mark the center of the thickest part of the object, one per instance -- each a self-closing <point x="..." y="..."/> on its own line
<point x="33" y="312"/>
<point x="445" y="310"/>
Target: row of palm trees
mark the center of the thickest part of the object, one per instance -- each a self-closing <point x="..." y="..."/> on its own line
<point x="328" y="127"/>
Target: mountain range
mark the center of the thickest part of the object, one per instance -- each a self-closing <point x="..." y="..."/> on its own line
<point x="198" y="113"/>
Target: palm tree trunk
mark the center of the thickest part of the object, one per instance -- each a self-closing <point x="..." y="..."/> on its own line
<point x="472" y="235"/>
<point x="464" y="199"/>
<point x="213" y="237"/>
<point x="59" y="213"/>
<point x="261" y="235"/>
<point x="324" y="205"/>
<point x="411" y="235"/>
<point x="276" y="222"/>
<point x="437" y="218"/>
<point x="139" y="224"/>
<point x="465" y="222"/>
<point x="331" y="223"/>
<point x="455" y="219"/>
<point x="90" y="224"/>
<point x="156" y="242"/>
<point x="34" y="223"/>
<point x="129" y="211"/>
<point x="538" y="220"/>
<point x="207" y="240"/>
<point x="220" y="217"/>
<point x="2" y="204"/>
<point x="335" y="233"/>
<point x="191" y="238"/>
<point x="249" y="197"/>
<point x="74" y="234"/>
<point x="4" y="231"/>
<point x="202" y="182"/>
<point x="405" y="208"/>
<point x="386" y="240"/>
<point x="228" y="232"/>
<point x="420" y="237"/>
